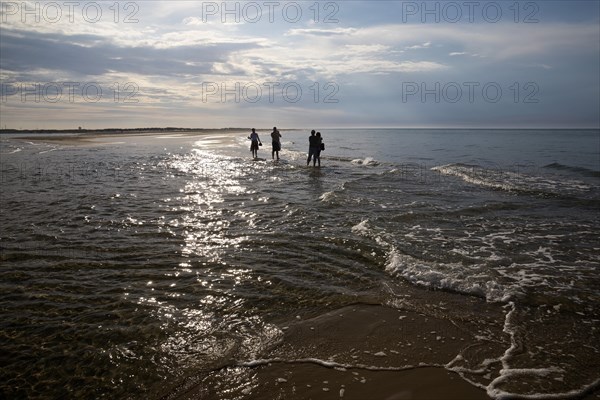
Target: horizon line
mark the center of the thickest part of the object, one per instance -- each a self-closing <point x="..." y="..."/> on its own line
<point x="170" y="128"/>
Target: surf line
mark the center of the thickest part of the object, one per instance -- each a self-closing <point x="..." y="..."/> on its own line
<point x="334" y="365"/>
<point x="507" y="372"/>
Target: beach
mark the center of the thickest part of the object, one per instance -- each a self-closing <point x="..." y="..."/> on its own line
<point x="414" y="264"/>
<point x="356" y="352"/>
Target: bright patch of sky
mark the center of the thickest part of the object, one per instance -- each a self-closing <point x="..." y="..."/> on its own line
<point x="300" y="63"/>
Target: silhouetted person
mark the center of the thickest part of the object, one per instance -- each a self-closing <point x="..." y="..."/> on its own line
<point x="276" y="136"/>
<point x="255" y="141"/>
<point x="314" y="146"/>
<point x="321" y="147"/>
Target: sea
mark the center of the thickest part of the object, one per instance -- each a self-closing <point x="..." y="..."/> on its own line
<point x="131" y="262"/>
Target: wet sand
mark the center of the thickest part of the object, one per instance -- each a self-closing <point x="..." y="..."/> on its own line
<point x="356" y="352"/>
<point x="306" y="381"/>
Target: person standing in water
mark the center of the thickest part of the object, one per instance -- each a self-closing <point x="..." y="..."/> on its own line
<point x="255" y="140"/>
<point x="276" y="136"/>
<point x="314" y="145"/>
<point x="321" y="147"/>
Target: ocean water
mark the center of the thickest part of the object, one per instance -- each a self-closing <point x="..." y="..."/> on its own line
<point x="131" y="263"/>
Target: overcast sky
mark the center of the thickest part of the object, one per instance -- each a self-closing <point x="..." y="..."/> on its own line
<point x="493" y="64"/>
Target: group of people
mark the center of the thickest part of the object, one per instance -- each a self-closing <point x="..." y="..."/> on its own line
<point x="255" y="142"/>
<point x="315" y="145"/>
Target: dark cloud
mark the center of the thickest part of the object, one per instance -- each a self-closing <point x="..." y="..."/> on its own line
<point x="92" y="55"/>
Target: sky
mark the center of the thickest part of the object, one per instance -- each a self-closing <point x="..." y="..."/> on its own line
<point x="297" y="64"/>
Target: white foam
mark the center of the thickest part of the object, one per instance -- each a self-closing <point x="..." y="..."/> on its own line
<point x="332" y="364"/>
<point x="447" y="276"/>
<point x="327" y="196"/>
<point x="471" y="280"/>
<point x="15" y="150"/>
<point x="361" y="228"/>
<point x="509" y="181"/>
<point x="368" y="161"/>
<point x="492" y="390"/>
<point x="475" y="176"/>
<point x="572" y="394"/>
<point x="48" y="151"/>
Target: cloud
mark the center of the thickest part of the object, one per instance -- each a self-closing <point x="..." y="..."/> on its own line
<point x="497" y="41"/>
<point x="321" y="32"/>
<point x="419" y="46"/>
<point x="91" y="55"/>
<point x="367" y="48"/>
<point x="171" y="52"/>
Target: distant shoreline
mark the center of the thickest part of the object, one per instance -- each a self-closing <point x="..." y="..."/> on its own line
<point x="97" y="136"/>
<point x="113" y="131"/>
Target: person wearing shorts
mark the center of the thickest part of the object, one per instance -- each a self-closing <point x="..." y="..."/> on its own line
<point x="255" y="141"/>
<point x="276" y="136"/>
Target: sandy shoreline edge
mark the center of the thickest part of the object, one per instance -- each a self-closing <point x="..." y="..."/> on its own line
<point x="355" y="352"/>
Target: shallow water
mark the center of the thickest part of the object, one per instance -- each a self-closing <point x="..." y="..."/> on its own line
<point x="133" y="262"/>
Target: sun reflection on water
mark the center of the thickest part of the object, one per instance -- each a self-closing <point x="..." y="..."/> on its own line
<point x="202" y="316"/>
<point x="212" y="179"/>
